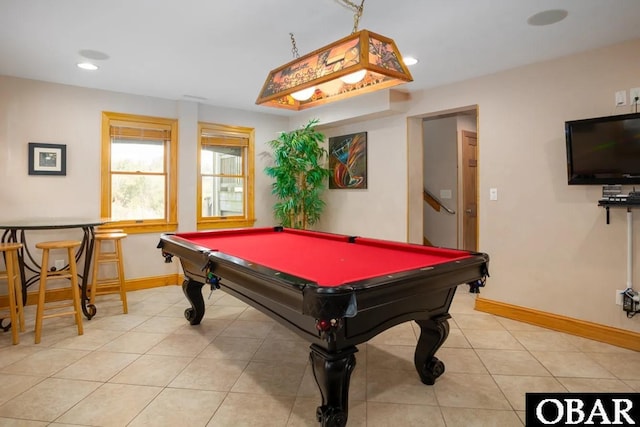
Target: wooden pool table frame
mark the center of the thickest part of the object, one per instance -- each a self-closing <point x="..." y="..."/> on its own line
<point x="333" y="319"/>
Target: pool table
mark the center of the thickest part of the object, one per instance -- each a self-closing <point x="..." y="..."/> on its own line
<point x="335" y="291"/>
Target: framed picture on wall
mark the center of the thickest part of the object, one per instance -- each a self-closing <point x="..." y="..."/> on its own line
<point x="47" y="159"/>
<point x="348" y="161"/>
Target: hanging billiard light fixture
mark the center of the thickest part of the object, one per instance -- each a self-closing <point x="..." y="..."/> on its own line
<point x="360" y="63"/>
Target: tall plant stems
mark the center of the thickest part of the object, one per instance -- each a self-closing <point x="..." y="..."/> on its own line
<point x="300" y="176"/>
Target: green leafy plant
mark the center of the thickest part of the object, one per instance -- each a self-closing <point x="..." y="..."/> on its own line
<point x="300" y="175"/>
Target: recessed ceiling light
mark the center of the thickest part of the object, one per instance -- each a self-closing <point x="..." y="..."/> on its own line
<point x="547" y="17"/>
<point x="87" y="66"/>
<point x="409" y="60"/>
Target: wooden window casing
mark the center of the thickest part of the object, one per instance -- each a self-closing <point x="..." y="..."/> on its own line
<point x="118" y="128"/>
<point x="233" y="169"/>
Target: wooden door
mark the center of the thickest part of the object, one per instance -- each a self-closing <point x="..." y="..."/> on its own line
<point x="469" y="190"/>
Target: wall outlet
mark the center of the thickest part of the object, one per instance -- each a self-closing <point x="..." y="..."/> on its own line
<point x="59" y="264"/>
<point x="619" y="293"/>
<point x="634" y="96"/>
<point x="621" y="98"/>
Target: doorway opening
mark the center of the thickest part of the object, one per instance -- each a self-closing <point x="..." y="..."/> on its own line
<point x="445" y="177"/>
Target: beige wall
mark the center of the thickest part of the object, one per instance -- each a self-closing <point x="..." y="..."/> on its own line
<point x="549" y="245"/>
<point x="32" y="111"/>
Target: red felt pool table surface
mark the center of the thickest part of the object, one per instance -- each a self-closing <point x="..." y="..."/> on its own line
<point x="326" y="259"/>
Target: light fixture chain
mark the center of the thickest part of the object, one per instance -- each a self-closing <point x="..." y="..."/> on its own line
<point x="294" y="48"/>
<point x="358" y="14"/>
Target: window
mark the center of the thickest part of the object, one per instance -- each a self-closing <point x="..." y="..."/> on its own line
<point x="139" y="172"/>
<point x="225" y="176"/>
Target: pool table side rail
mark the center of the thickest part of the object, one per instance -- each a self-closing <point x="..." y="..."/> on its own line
<point x="185" y="248"/>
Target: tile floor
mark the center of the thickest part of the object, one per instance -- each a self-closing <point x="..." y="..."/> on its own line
<point x="151" y="368"/>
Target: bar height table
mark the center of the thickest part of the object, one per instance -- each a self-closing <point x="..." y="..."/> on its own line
<point x="15" y="231"/>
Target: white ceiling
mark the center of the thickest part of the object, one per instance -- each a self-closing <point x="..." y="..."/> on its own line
<point x="222" y="50"/>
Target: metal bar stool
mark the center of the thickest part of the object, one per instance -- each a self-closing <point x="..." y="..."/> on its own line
<point x="69" y="272"/>
<point x="101" y="256"/>
<point x="14" y="288"/>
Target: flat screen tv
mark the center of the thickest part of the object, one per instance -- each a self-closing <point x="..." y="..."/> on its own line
<point x="604" y="150"/>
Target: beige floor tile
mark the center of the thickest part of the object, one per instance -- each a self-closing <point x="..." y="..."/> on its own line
<point x="231" y="348"/>
<point x="592" y="385"/>
<point x="463" y="417"/>
<point x="571" y="364"/>
<point x="160" y="325"/>
<point x="247" y="329"/>
<point x="634" y="384"/>
<point x="516" y="387"/>
<point x="13" y="353"/>
<point x="226" y="299"/>
<point x="250" y="410"/>
<point x="514" y="325"/>
<point x="120" y="322"/>
<point x="134" y="342"/>
<point x="279" y="379"/>
<point x="229" y="312"/>
<point x="469" y="391"/>
<point x="590" y="346"/>
<point x="186" y="345"/>
<point x="383" y="356"/>
<point x="498" y="340"/>
<point x="46" y="362"/>
<point x="12" y="422"/>
<point x="90" y="341"/>
<point x="151" y="370"/>
<point x="48" y="399"/>
<point x="97" y="366"/>
<point x="395" y="414"/>
<point x="279" y="332"/>
<point x="111" y="405"/>
<point x="456" y="339"/>
<point x="461" y="360"/>
<point x="622" y="365"/>
<point x="401" y="334"/>
<point x="208" y="328"/>
<point x="205" y="374"/>
<point x="393" y="386"/>
<point x="252" y="314"/>
<point x="544" y="340"/>
<point x="511" y="362"/>
<point x="174" y="310"/>
<point x="477" y="320"/>
<point x="13" y="385"/>
<point x="151" y="308"/>
<point x="180" y="407"/>
<point x="285" y="351"/>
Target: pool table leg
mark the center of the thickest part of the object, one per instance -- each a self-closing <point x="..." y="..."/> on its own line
<point x="433" y="333"/>
<point x="193" y="291"/>
<point x="332" y="372"/>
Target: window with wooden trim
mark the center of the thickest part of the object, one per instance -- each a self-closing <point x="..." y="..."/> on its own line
<point x="139" y="172"/>
<point x="225" y="176"/>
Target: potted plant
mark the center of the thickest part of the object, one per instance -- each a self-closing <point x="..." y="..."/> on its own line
<point x="299" y="174"/>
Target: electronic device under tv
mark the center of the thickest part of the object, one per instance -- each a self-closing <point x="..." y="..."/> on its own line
<point x="604" y="150"/>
